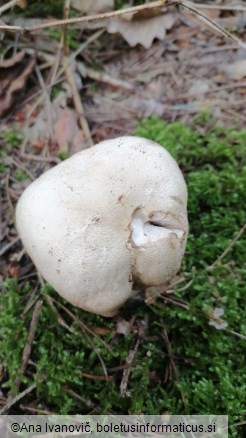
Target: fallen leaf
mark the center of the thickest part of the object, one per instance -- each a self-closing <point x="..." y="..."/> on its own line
<point x="142" y="31"/>
<point x="14" y="73"/>
<point x="67" y="133"/>
<point x="92" y="6"/>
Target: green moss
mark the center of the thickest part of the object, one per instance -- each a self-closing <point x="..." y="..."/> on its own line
<point x="209" y="373"/>
<point x="12" y="137"/>
<point x="72" y="36"/>
<point x="20" y="175"/>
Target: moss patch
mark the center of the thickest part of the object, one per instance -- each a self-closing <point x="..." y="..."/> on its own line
<point x="208" y="375"/>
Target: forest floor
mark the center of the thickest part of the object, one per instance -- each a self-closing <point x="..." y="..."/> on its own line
<point x="63" y="91"/>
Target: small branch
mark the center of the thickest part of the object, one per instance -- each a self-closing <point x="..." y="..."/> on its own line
<point x="219" y="7"/>
<point x="155" y="4"/>
<point x="238" y="335"/>
<point x="9" y="245"/>
<point x="78" y="103"/>
<point x="170" y="355"/>
<point x="8" y="5"/>
<point x="14" y="400"/>
<point x="87" y="19"/>
<point x="27" y="349"/>
<point x="211" y="23"/>
<point x="130" y="357"/>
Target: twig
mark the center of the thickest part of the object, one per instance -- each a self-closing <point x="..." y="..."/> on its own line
<point x="22" y="167"/>
<point x="14" y="400"/>
<point x="27" y="349"/>
<point x="236" y="238"/>
<point x="97" y="377"/>
<point x="66" y="9"/>
<point x="68" y="71"/>
<point x="81" y="324"/>
<point x="86" y="331"/>
<point x="211" y="23"/>
<point x="130" y="357"/>
<point x="74" y="394"/>
<point x="170" y="355"/>
<point x="8" y="5"/>
<point x="40" y="158"/>
<point x="36" y="411"/>
<point x="89" y="18"/>
<point x="106" y="15"/>
<point x="176" y="302"/>
<point x="104" y="77"/>
<point x="219" y="7"/>
<point x="238" y="335"/>
<point x="77" y="102"/>
<point x="9" y="245"/>
<point x="57" y="314"/>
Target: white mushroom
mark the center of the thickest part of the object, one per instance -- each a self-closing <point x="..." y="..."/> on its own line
<point x="105" y="219"/>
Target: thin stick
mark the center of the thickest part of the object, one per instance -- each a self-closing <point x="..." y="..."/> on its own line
<point x="89" y="18"/>
<point x="130" y="357"/>
<point x="70" y="77"/>
<point x="78" y="103"/>
<point x="27" y="349"/>
<point x="155" y="4"/>
<point x="211" y="23"/>
<point x="14" y="400"/>
<point x="219" y="7"/>
<point x="57" y="314"/>
<point x="238" y="335"/>
<point x="8" y="5"/>
<point x="236" y="238"/>
<point x="170" y="355"/>
<point x="9" y="245"/>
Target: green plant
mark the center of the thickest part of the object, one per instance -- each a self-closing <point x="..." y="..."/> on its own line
<point x="13" y="137"/>
<point x="20" y="175"/>
<point x="63" y="155"/>
<point x="72" y="40"/>
<point x="3" y="166"/>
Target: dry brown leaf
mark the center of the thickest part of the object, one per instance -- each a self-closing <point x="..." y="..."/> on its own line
<point x="67" y="133"/>
<point x="144" y="30"/>
<point x="93" y="6"/>
<point x="14" y="73"/>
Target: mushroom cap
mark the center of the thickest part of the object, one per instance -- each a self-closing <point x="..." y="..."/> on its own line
<point x="104" y="219"/>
